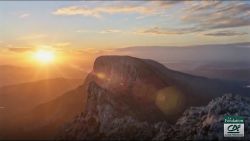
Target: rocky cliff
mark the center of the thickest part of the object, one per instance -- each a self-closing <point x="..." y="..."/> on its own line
<point x="131" y="98"/>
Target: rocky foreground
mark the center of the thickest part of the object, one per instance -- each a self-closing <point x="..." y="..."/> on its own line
<point x="196" y="123"/>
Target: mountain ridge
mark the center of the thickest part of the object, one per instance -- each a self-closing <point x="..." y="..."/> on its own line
<point x="103" y="118"/>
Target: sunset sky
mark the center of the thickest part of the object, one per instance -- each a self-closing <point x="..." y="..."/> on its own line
<point x="96" y="25"/>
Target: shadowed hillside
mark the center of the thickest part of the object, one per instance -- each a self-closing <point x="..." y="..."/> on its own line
<point x="20" y="99"/>
<point x="23" y="97"/>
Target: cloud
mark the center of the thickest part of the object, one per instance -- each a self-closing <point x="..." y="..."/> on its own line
<point x="81" y="31"/>
<point x="63" y="44"/>
<point x="100" y="11"/>
<point x="32" y="37"/>
<point x="178" y="31"/>
<point x="216" y="14"/>
<point x="17" y="49"/>
<point x="168" y="31"/>
<point x="24" y="15"/>
<point x="205" y="16"/>
<point x="225" y="33"/>
<point x="131" y="7"/>
<point x="166" y="4"/>
<point x="125" y="7"/>
<point x="111" y="31"/>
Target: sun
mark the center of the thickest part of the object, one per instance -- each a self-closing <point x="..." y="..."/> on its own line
<point x="44" y="56"/>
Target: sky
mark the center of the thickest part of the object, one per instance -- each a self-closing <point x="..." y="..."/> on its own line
<point x="115" y="24"/>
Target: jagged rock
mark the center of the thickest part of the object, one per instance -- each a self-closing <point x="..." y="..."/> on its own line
<point x="162" y="131"/>
<point x="197" y="123"/>
<point x="127" y="128"/>
<point x="206" y="123"/>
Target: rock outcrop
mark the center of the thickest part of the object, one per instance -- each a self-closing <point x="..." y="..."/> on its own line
<point x="196" y="123"/>
<point x="206" y="123"/>
<point x="130" y="98"/>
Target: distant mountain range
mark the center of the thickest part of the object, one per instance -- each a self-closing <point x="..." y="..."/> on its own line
<point x="25" y="96"/>
<point x="223" y="61"/>
<point x="11" y="75"/>
<point x="237" y="52"/>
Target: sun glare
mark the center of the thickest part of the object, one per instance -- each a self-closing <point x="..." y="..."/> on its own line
<point x="44" y="56"/>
